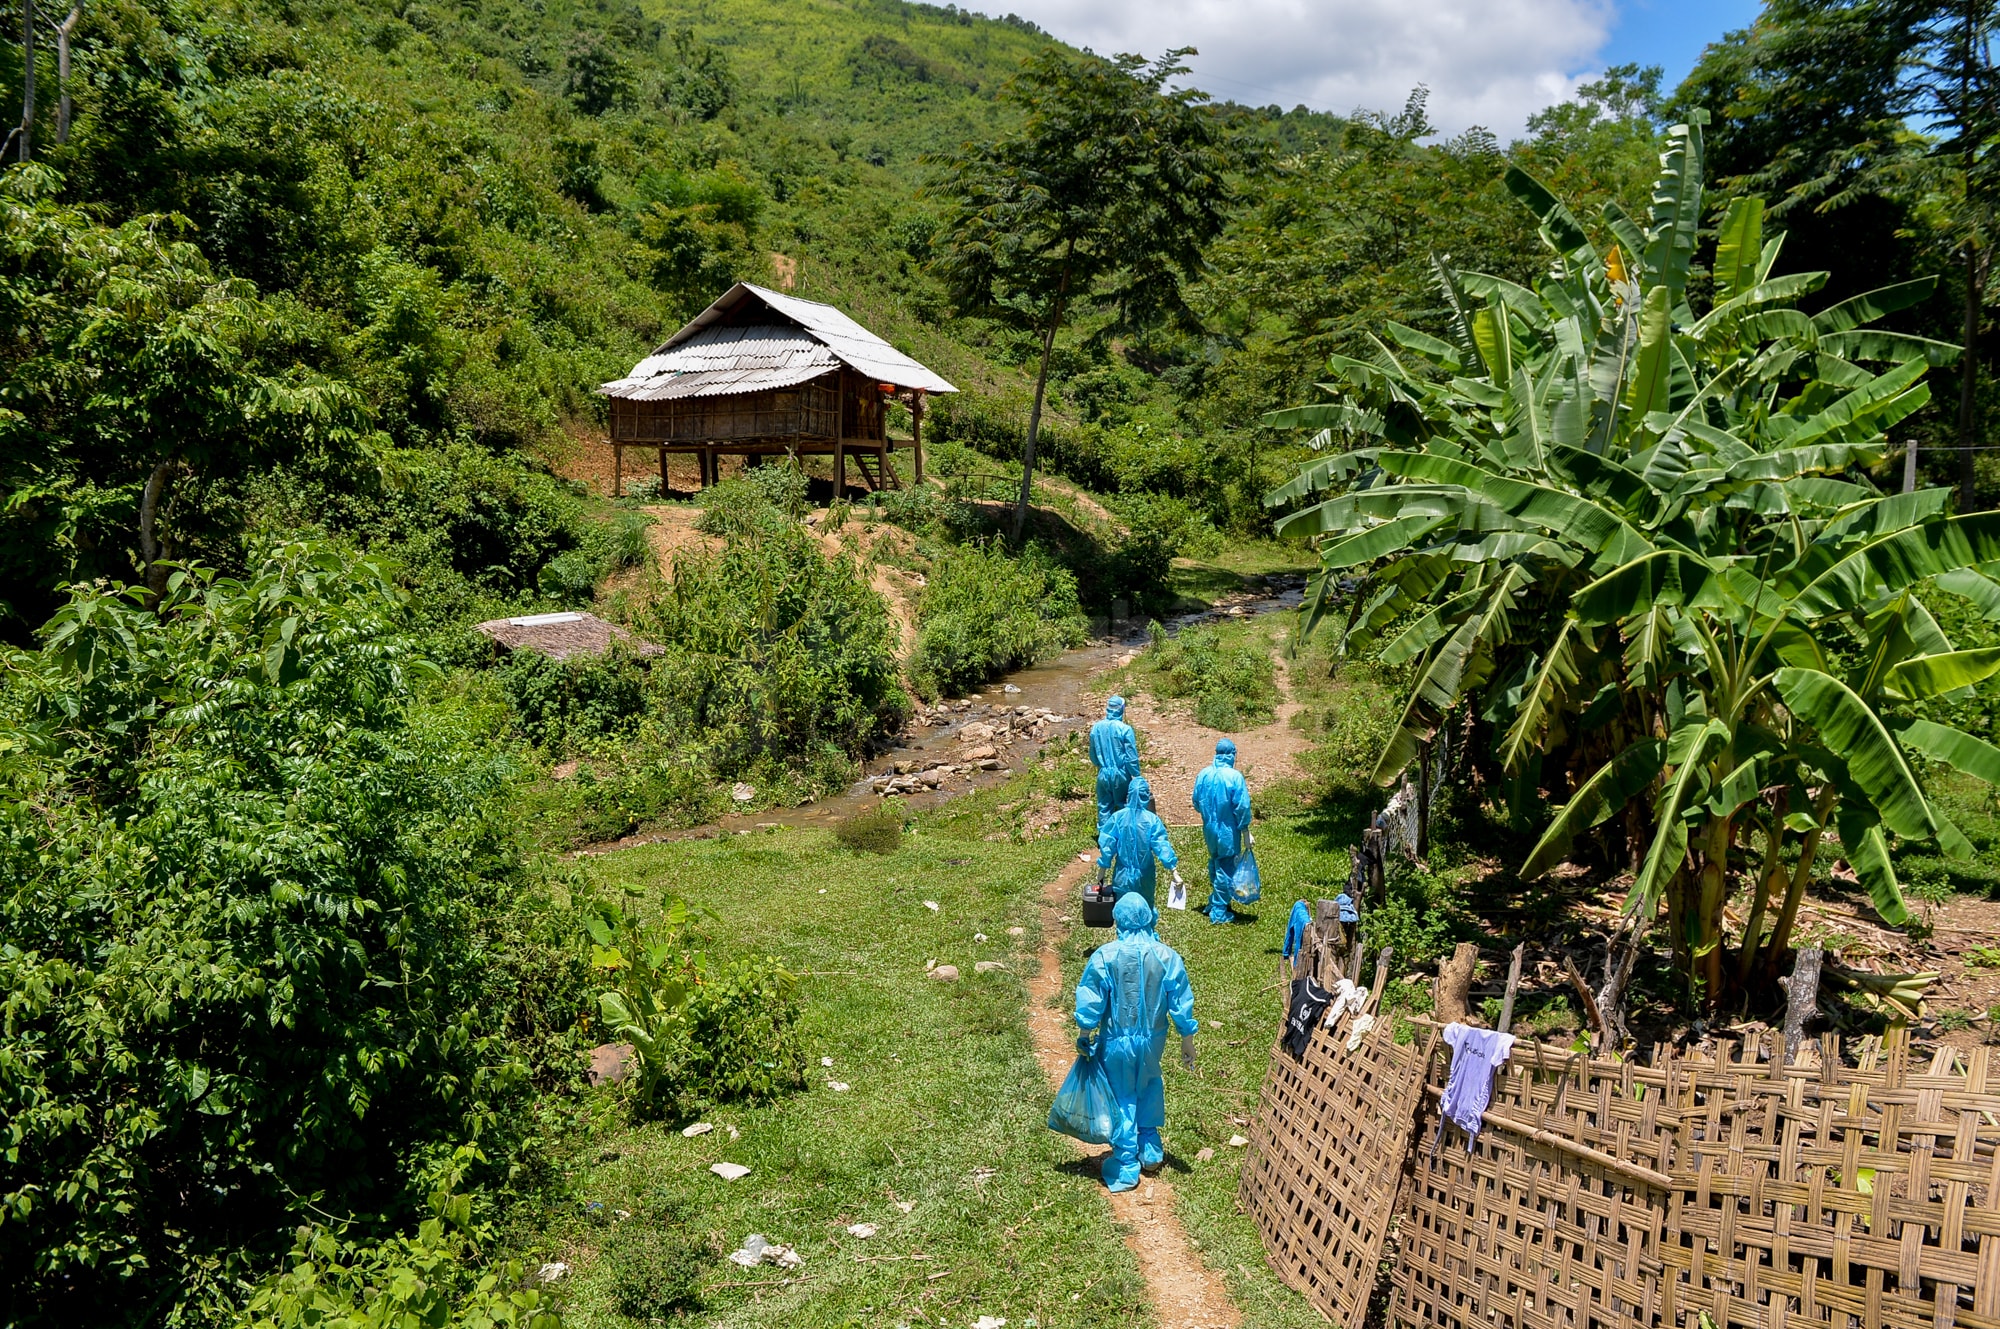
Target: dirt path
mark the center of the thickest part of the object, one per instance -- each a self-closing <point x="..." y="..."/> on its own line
<point x="1185" y="1291"/>
<point x="1176" y="748"/>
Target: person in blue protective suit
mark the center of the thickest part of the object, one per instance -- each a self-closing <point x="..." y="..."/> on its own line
<point x="1128" y="843"/>
<point x="1223" y="800"/>
<point x="1114" y="749"/>
<point x="1129" y="992"/>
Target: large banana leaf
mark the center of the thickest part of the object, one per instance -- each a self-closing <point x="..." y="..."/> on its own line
<point x="1901" y="560"/>
<point x="1866" y="850"/>
<point x="1555" y="671"/>
<point x="1974" y="756"/>
<point x="1676" y="216"/>
<point x="1738" y="245"/>
<point x="1460" y="662"/>
<point x="1935" y="675"/>
<point x="1559" y="225"/>
<point x="1381" y="541"/>
<point x="1596" y="800"/>
<point x="1694" y="743"/>
<point x="1567" y="515"/>
<point x="1849" y="727"/>
<point x="1872" y="305"/>
<point x="1664" y="576"/>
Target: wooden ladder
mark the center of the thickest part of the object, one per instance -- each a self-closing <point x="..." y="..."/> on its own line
<point x="871" y="464"/>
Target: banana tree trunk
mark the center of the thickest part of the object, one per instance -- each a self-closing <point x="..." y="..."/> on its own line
<point x="1714" y="879"/>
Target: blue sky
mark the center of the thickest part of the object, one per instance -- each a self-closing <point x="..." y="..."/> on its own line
<point x="1486" y="62"/>
<point x="1671" y="33"/>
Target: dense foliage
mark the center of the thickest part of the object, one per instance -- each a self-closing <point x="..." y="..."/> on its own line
<point x="1640" y="545"/>
<point x="983" y="613"/>
<point x="253" y="891"/>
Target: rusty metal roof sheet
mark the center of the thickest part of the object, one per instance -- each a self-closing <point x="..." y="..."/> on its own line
<point x="703" y="360"/>
<point x="559" y="636"/>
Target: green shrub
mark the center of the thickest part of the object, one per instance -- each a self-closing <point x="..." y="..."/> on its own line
<point x="1228" y="674"/>
<point x="699" y="1030"/>
<point x="656" y="1273"/>
<point x="570" y="578"/>
<point x="774" y="653"/>
<point x="560" y="704"/>
<point x="760" y="499"/>
<point x="983" y="613"/>
<point x="250" y="933"/>
<point x="876" y="831"/>
<point x="432" y="1278"/>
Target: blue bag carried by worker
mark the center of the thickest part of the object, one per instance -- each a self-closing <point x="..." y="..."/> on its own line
<point x="1085" y="1108"/>
<point x="1247" y="885"/>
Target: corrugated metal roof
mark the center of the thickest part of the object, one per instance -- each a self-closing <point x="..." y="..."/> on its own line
<point x="723" y="361"/>
<point x="714" y="351"/>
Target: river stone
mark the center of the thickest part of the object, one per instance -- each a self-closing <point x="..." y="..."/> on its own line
<point x="976" y="732"/>
<point x="987" y="966"/>
<point x="945" y="973"/>
<point x="987" y="753"/>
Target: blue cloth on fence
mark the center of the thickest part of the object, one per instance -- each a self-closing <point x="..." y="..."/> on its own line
<point x="1131" y="840"/>
<point x="1223" y="800"/>
<point x="1345" y="903"/>
<point x="1131" y="990"/>
<point x="1295" y="928"/>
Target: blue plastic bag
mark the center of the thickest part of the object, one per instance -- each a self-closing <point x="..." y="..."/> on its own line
<point x="1247" y="885"/>
<point x="1085" y="1108"/>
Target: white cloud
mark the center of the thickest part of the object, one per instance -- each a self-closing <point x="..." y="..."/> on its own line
<point x="1486" y="62"/>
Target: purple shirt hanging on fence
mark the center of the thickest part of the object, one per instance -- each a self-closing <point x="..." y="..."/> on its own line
<point x="1475" y="1055"/>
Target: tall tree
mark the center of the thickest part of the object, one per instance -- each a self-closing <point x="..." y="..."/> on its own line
<point x="1103" y="200"/>
<point x="1868" y="124"/>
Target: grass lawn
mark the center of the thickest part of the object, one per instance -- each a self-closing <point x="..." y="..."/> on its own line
<point x="945" y="1112"/>
<point x="947" y="1102"/>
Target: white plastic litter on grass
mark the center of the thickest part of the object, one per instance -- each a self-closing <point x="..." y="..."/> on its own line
<point x="861" y="1230"/>
<point x="906" y="1205"/>
<point x="699" y="1128"/>
<point x="1237" y="1142"/>
<point x="826" y="1061"/>
<point x="838" y="1086"/>
<point x="990" y="1322"/>
<point x="729" y="1171"/>
<point x="931" y="905"/>
<point x="553" y="1271"/>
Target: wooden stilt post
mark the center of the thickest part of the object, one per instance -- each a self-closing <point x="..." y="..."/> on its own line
<point x="839" y="468"/>
<point x="665" y="488"/>
<point x="617" y="470"/>
<point x="917" y="433"/>
<point x="1513" y="986"/>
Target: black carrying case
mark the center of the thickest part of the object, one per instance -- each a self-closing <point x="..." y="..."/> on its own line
<point x="1097" y="902"/>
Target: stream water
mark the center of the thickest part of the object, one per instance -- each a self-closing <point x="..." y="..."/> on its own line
<point x="1056" y="690"/>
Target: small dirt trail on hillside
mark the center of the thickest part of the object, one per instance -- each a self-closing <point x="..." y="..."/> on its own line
<point x="1186" y="1292"/>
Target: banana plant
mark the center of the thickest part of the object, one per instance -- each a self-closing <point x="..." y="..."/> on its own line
<point x="1636" y="543"/>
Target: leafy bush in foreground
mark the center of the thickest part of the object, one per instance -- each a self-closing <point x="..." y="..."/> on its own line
<point x="246" y="946"/>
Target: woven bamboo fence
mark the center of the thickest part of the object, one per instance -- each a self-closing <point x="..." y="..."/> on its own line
<point x="1602" y="1192"/>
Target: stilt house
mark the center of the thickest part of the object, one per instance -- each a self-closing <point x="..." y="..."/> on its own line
<point x="760" y="373"/>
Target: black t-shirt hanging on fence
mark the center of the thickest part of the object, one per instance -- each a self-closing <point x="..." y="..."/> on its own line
<point x="1309" y="1002"/>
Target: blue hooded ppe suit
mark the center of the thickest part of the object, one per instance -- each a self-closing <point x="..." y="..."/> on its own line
<point x="1114" y="749"/>
<point x="1129" y="991"/>
<point x="1223" y="800"/>
<point x="1130" y="841"/>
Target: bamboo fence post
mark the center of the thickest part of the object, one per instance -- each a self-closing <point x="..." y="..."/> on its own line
<point x="1513" y="985"/>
